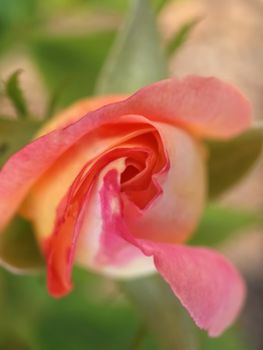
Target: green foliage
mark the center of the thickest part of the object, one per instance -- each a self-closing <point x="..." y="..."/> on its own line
<point x="93" y="317"/>
<point x="18" y="247"/>
<point x="231" y="340"/>
<point x="98" y="326"/>
<point x="136" y="58"/>
<point x="181" y="36"/>
<point x="16" y="11"/>
<point x="161" y="311"/>
<point x="230" y="161"/>
<point x="14" y="134"/>
<point x="110" y="5"/>
<point x="219" y="223"/>
<point x="54" y="100"/>
<point x="169" y="322"/>
<point x="12" y="342"/>
<point x="159" y="4"/>
<point x="17" y="20"/>
<point x="15" y="94"/>
<point x="75" y="61"/>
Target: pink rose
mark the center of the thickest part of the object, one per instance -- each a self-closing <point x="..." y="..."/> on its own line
<point x="122" y="188"/>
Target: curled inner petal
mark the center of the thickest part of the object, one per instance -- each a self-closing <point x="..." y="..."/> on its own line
<point x="70" y="215"/>
<point x="160" y="202"/>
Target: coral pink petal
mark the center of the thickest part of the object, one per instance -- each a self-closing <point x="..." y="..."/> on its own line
<point x="60" y="248"/>
<point x="208" y="286"/>
<point x="115" y="255"/>
<point x="206" y="106"/>
<point x="174" y="215"/>
<point x="99" y="247"/>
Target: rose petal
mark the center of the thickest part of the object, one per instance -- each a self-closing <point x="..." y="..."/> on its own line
<point x="99" y="247"/>
<point x="77" y="110"/>
<point x="207" y="284"/>
<point x="27" y="166"/>
<point x="72" y="217"/>
<point x="177" y="192"/>
<point x="45" y="196"/>
<point x="205" y="106"/>
<point x="173" y="216"/>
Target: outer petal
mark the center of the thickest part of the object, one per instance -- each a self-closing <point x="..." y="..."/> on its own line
<point x="207" y="284"/>
<point x="77" y="110"/>
<point x="205" y="106"/>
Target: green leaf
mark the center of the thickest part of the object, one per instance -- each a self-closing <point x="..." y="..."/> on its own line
<point x="14" y="92"/>
<point x="108" y="5"/>
<point x="163" y="314"/>
<point x="91" y="325"/>
<point x="119" y="5"/>
<point x="160" y="4"/>
<point x="12" y="341"/>
<point x="230" y="161"/>
<point x="16" y="12"/>
<point x="136" y="58"/>
<point x="181" y="36"/>
<point x="14" y="134"/>
<point x="219" y="223"/>
<point x="18" y="19"/>
<point x="18" y="247"/>
<point x="94" y="316"/>
<point x="75" y="60"/>
<point x="54" y="99"/>
<point x="232" y="339"/>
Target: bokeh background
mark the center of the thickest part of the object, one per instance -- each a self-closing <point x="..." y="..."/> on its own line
<point x="61" y="46"/>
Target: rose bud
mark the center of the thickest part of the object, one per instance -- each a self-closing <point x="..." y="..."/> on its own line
<point x="118" y="185"/>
